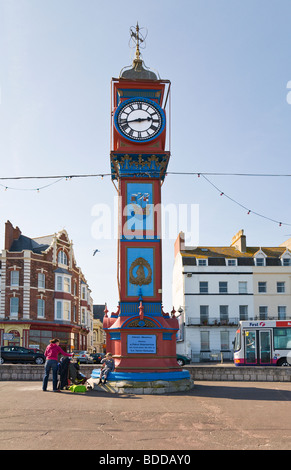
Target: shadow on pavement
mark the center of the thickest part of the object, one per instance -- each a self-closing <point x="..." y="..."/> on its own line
<point x="241" y="393"/>
<point x="236" y="392"/>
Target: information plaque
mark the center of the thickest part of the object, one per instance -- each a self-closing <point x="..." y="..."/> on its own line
<point x="141" y="344"/>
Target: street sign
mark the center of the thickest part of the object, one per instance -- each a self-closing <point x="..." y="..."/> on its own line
<point x="8" y="336"/>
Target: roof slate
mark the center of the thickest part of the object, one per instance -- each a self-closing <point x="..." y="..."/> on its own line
<point x="98" y="311"/>
<point x="26" y="243"/>
<point x="231" y="252"/>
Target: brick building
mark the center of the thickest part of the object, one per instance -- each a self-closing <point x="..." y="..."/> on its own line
<point x="43" y="293"/>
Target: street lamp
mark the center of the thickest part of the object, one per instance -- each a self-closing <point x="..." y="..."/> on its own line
<point x="180" y="310"/>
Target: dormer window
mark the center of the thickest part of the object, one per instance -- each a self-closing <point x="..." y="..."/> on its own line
<point x="286" y="261"/>
<point x="286" y="258"/>
<point x="231" y="262"/>
<point x="260" y="261"/>
<point x="62" y="258"/>
<point x="260" y="258"/>
<point x="202" y="262"/>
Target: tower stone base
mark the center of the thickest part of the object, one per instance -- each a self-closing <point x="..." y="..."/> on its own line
<point x="142" y="383"/>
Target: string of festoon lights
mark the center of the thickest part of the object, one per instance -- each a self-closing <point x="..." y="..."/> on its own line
<point x="204" y="175"/>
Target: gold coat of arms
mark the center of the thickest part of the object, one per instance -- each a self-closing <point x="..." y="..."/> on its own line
<point x="143" y="274"/>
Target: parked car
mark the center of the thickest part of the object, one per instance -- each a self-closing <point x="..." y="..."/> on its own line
<point x="17" y="354"/>
<point x="182" y="360"/>
<point x="83" y="357"/>
<point x="36" y="350"/>
<point x="97" y="357"/>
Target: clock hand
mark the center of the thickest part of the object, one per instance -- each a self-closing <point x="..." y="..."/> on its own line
<point x="141" y="119"/>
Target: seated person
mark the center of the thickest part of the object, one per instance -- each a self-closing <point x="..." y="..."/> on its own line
<point x="107" y="366"/>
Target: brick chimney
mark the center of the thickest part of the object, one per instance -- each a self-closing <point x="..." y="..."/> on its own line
<point x="11" y="234"/>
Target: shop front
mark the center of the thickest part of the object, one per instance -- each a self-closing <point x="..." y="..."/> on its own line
<point x="17" y="334"/>
<point x="37" y="335"/>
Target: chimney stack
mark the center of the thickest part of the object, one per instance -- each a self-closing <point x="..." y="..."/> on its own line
<point x="11" y="234"/>
<point x="239" y="241"/>
<point x="179" y="243"/>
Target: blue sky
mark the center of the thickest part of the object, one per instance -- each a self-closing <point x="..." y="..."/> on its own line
<point x="229" y="63"/>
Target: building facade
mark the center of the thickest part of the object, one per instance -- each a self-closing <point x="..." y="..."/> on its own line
<point x="99" y="337"/>
<point x="44" y="294"/>
<point x="216" y="287"/>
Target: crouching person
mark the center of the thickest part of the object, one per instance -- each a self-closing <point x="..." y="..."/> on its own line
<point x="108" y="365"/>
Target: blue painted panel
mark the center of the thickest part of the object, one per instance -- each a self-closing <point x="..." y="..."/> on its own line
<point x="131" y="308"/>
<point x="143" y="376"/>
<point x="134" y="290"/>
<point x="114" y="336"/>
<point x="133" y="92"/>
<point x="141" y="344"/>
<point x="167" y="336"/>
<point x="139" y="206"/>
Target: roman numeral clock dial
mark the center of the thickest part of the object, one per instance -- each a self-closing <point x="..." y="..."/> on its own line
<point x="139" y="119"/>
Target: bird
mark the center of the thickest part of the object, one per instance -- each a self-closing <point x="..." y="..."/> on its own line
<point x="95" y="251"/>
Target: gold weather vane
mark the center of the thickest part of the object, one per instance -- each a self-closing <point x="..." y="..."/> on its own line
<point x="138" y="70"/>
<point x="138" y="39"/>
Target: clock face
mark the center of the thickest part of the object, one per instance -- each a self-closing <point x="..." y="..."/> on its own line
<point x="139" y="119"/>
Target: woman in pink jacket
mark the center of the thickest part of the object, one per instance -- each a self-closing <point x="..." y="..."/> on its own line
<point x="51" y="353"/>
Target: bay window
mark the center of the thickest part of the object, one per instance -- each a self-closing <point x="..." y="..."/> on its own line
<point x="63" y="283"/>
<point x="62" y="310"/>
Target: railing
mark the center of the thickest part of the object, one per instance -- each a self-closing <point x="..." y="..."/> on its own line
<point x="212" y="356"/>
<point x="270" y="317"/>
<point x="192" y="321"/>
<point x="231" y="321"/>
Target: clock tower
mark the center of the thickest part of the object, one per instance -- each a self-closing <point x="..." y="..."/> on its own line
<point x="140" y="335"/>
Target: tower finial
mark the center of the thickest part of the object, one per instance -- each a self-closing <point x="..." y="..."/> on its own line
<point x="137" y="71"/>
<point x="138" y="39"/>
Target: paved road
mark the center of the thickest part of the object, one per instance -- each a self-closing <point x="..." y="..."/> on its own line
<point x="214" y="415"/>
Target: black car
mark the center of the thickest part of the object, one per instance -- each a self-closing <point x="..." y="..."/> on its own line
<point x="97" y="357"/>
<point x="18" y="354"/>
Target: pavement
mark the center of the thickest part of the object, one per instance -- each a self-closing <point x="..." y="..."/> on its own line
<point x="212" y="416"/>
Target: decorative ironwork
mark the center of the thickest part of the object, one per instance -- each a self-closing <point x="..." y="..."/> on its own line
<point x="146" y="165"/>
<point x="142" y="324"/>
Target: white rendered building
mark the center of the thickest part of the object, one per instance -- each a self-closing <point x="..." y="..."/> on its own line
<point x="216" y="287"/>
